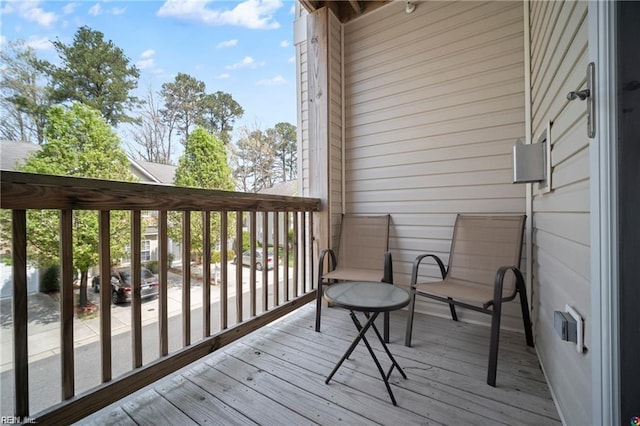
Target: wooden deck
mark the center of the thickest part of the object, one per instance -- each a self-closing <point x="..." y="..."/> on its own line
<point x="276" y="376"/>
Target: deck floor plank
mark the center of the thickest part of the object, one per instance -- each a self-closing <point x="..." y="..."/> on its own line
<point x="150" y="409"/>
<point x="200" y="405"/>
<point x="241" y="397"/>
<point x="276" y="376"/>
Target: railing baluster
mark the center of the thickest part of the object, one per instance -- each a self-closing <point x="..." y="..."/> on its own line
<point x="186" y="278"/>
<point x="206" y="274"/>
<point x="20" y="314"/>
<point x="286" y="256"/>
<point x="296" y="250"/>
<point x="66" y="303"/>
<point x="265" y="261"/>
<point x="239" y="267"/>
<point x="303" y="246"/>
<point x="276" y="259"/>
<point x="224" y="224"/>
<point x="308" y="283"/>
<point x="136" y="280"/>
<point x="163" y="280"/>
<point x="105" y="293"/>
<point x="252" y="264"/>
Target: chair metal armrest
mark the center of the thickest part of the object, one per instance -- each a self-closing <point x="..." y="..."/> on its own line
<point x="499" y="284"/>
<point x="332" y="262"/>
<point x="387" y="276"/>
<point x="416" y="265"/>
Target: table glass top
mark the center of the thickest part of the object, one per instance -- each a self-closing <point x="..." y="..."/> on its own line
<point x="367" y="296"/>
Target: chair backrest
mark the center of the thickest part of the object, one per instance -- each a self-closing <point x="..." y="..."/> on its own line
<point x="482" y="244"/>
<point x="363" y="241"/>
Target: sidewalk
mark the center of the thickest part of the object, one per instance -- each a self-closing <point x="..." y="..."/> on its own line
<point x="44" y="318"/>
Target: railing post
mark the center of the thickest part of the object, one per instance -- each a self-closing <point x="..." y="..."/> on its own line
<point x="206" y="274"/>
<point x="163" y="321"/>
<point x="20" y="349"/>
<point x="136" y="281"/>
<point x="66" y="304"/>
<point x="252" y="264"/>
<point x="265" y="261"/>
<point x="224" y="261"/>
<point x="239" y="267"/>
<point x="105" y="293"/>
<point x="186" y="278"/>
<point x="276" y="259"/>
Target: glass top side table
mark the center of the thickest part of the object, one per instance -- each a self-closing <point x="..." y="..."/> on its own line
<point x="371" y="298"/>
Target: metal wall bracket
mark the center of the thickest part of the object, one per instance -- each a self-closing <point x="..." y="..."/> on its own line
<point x="588" y="94"/>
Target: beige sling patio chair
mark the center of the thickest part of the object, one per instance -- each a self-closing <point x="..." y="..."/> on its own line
<point x="483" y="250"/>
<point x="362" y="255"/>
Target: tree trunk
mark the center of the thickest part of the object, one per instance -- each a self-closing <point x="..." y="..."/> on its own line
<point x="84" y="299"/>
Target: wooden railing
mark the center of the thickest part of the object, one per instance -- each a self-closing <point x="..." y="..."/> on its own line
<point x="22" y="192"/>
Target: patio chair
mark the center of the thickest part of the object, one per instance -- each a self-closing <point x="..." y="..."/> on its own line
<point x="483" y="250"/>
<point x="362" y="255"/>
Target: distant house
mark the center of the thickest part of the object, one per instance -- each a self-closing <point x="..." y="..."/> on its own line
<point x="13" y="154"/>
<point x="289" y="188"/>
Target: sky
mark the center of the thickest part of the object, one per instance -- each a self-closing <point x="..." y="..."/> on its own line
<point x="244" y="48"/>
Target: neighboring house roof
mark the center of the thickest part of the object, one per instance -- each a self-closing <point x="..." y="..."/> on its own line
<point x="163" y="173"/>
<point x="289" y="188"/>
<point x="14" y="153"/>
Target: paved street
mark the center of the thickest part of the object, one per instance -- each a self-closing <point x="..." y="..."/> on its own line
<point x="44" y="338"/>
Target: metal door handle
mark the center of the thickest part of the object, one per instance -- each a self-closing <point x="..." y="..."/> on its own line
<point x="580" y="94"/>
<point x="588" y="94"/>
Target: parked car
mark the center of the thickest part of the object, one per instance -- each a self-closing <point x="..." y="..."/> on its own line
<point x="246" y="259"/>
<point x="121" y="285"/>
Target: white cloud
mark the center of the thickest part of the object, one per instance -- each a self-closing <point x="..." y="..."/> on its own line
<point x="31" y="11"/>
<point x="227" y="43"/>
<point x="284" y="43"/>
<point x="69" y="8"/>
<point x="246" y="62"/>
<point x="118" y="10"/>
<point x="292" y="9"/>
<point x="146" y="61"/>
<point x="95" y="10"/>
<point x="292" y="60"/>
<point x="148" y="54"/>
<point x="42" y="43"/>
<point x="223" y="76"/>
<point x="3" y="40"/>
<point x="275" y="81"/>
<point x="252" y="14"/>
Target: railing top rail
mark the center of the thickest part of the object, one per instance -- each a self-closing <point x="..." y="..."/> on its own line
<point x="37" y="191"/>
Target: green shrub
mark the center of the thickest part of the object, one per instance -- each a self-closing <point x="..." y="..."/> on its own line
<point x="152" y="265"/>
<point x="50" y="281"/>
<point x="216" y="256"/>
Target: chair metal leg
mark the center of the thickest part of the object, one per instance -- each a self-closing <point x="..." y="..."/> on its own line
<point x="452" y="308"/>
<point x="412" y="302"/>
<point x="318" y="305"/>
<point x="528" y="332"/>
<point x="493" y="349"/>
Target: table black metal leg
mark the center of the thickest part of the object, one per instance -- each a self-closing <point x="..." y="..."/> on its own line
<point x="386" y="349"/>
<point x="355" y="342"/>
<point x="361" y="336"/>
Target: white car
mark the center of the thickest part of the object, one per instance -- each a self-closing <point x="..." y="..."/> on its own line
<point x="246" y="259"/>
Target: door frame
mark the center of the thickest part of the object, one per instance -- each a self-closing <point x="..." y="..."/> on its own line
<point x="605" y="330"/>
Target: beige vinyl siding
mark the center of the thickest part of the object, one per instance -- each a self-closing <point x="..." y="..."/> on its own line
<point x="434" y="102"/>
<point x="561" y="222"/>
<point x="335" y="128"/>
<point x="303" y="105"/>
